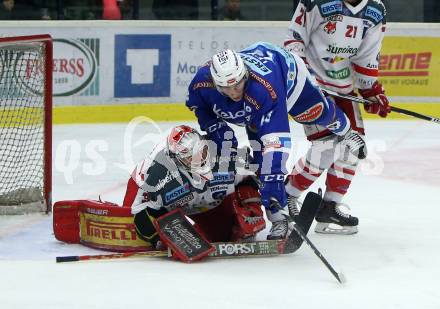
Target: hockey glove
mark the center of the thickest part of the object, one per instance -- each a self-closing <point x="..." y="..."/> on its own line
<point x="380" y="103"/>
<point x="272" y="187"/>
<point x="221" y="134"/>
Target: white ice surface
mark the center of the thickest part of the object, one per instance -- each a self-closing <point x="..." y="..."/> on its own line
<point x="393" y="262"/>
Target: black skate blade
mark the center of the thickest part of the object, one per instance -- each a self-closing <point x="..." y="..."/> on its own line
<point x="304" y="220"/>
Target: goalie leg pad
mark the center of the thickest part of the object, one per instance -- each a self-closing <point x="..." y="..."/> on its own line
<point x="66" y="226"/>
<point x="96" y="224"/>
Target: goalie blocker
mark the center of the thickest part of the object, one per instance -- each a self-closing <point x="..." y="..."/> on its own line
<point x="181" y="237"/>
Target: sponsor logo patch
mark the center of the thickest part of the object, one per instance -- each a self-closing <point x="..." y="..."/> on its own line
<point x="266" y="84"/>
<point x="373" y="13"/>
<point x="251" y="100"/>
<point x="332" y="60"/>
<point x="222" y="178"/>
<point x="331" y="7"/>
<point x="310" y="114"/>
<point x="203" y="85"/>
<point x="340" y="74"/>
<point x="177" y="192"/>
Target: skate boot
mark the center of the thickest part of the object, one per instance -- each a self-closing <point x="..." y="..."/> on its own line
<point x="292" y="205"/>
<point x="355" y="144"/>
<point x="331" y="220"/>
<point x="281" y="226"/>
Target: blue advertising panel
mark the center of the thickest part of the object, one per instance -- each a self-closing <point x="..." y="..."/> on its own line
<point x="142" y="65"/>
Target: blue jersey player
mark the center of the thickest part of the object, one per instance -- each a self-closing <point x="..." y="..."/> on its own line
<point x="258" y="88"/>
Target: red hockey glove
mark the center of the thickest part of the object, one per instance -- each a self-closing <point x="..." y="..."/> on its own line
<point x="248" y="213"/>
<point x="376" y="94"/>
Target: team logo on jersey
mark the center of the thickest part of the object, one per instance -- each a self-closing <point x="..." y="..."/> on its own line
<point x="330" y="27"/>
<point x="311" y="114"/>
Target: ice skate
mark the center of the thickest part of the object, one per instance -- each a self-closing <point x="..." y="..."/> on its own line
<point x="293" y="206"/>
<point x="355" y="144"/>
<point x="331" y="220"/>
<point x="281" y="225"/>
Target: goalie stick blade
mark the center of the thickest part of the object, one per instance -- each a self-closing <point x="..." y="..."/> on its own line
<point x="304" y="220"/>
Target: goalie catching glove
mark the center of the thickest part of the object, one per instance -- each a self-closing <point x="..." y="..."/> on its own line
<point x="380" y="104"/>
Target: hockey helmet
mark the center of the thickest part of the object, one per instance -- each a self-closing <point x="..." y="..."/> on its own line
<point x="190" y="151"/>
<point x="227" y="68"/>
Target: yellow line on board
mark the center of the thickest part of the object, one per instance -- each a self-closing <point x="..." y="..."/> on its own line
<point x="178" y="112"/>
<point x="120" y="113"/>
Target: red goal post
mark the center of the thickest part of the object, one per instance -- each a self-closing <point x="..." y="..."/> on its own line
<point x="25" y="124"/>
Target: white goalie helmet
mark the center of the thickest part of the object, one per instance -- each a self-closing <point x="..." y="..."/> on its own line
<point x="227" y="68"/>
<point x="190" y="151"/>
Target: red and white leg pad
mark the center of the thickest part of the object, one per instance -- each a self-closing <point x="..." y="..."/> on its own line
<point x="96" y="224"/>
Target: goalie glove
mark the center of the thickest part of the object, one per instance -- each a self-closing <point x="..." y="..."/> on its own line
<point x="380" y="104"/>
<point x="246" y="204"/>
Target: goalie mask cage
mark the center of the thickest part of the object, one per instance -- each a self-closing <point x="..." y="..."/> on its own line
<point x="25" y="124"/>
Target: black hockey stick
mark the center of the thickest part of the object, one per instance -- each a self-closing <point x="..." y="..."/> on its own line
<point x="339" y="276"/>
<point x="297" y="226"/>
<point x="393" y="108"/>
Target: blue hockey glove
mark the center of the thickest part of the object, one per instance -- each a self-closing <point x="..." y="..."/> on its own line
<point x="272" y="186"/>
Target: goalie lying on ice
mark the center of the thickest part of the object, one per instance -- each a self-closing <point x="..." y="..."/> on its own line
<point x="181" y="173"/>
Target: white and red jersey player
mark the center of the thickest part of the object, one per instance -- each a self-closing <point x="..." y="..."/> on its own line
<point x="340" y="41"/>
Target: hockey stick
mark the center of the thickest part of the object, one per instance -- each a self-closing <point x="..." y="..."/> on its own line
<point x="77" y="258"/>
<point x="223" y="249"/>
<point x="339" y="276"/>
<point x="393" y="108"/>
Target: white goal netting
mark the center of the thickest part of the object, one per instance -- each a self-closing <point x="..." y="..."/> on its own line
<point x="24" y="136"/>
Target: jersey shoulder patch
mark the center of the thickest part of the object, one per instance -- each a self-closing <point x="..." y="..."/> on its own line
<point x="330" y="7"/>
<point x="375" y="12"/>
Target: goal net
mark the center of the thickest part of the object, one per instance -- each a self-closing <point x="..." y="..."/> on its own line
<point x="25" y="124"/>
